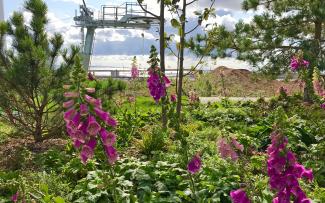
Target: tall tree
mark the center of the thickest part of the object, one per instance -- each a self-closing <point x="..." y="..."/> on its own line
<point x="273" y="37"/>
<point x="30" y="80"/>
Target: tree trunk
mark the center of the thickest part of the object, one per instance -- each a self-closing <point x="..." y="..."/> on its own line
<point x="181" y="64"/>
<point x="308" y="90"/>
<point x="38" y="128"/>
<point x="162" y="59"/>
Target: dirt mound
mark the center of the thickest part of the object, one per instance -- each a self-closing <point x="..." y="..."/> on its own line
<point x="244" y="83"/>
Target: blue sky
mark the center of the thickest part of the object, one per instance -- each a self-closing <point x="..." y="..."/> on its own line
<point x="110" y="42"/>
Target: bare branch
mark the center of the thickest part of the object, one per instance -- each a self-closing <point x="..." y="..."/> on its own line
<point x="145" y="10"/>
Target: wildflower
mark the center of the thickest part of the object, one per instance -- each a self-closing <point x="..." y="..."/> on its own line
<point x="193" y="97"/>
<point x="71" y="94"/>
<point x="195" y="164"/>
<point x="157" y="87"/>
<point x="90" y="90"/>
<point x="228" y="150"/>
<point x="93" y="127"/>
<point x="284" y="171"/>
<point x="173" y="98"/>
<point x="296" y="63"/>
<point x="111" y="153"/>
<point x="101" y="114"/>
<point x="134" y="72"/>
<point x="14" y="198"/>
<point x="87" y="151"/>
<point x="108" y="138"/>
<point x="69" y="114"/>
<point x="237" y="145"/>
<point x="239" y="196"/>
<point x="91" y="77"/>
<point x="83" y="109"/>
<point x="322" y="106"/>
<point x="90" y="99"/>
<point x="68" y="104"/>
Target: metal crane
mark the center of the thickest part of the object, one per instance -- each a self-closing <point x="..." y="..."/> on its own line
<point x="127" y="16"/>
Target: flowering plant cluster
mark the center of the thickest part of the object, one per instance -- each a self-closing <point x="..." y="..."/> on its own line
<point x="157" y="83"/>
<point x="134" y="69"/>
<point x="297" y="63"/>
<point x="193" y="97"/>
<point x="229" y="149"/>
<point x="86" y="121"/>
<point x="195" y="164"/>
<point x="318" y="83"/>
<point x="284" y="171"/>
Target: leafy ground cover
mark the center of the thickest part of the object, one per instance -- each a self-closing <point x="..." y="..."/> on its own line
<point x="152" y="168"/>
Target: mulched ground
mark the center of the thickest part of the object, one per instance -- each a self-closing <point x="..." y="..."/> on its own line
<point x="15" y="150"/>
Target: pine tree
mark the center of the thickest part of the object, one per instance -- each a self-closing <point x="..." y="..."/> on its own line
<point x="30" y="76"/>
<point x="273" y="37"/>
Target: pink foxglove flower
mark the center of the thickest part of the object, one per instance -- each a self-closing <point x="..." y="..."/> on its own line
<point x="93" y="127"/>
<point x="71" y="94"/>
<point x="111" y="153"/>
<point x="134" y="72"/>
<point x="83" y="109"/>
<point x="87" y="151"/>
<point x="239" y="196"/>
<point x="69" y="114"/>
<point x="68" y="104"/>
<point x="108" y="138"/>
<point x="284" y="171"/>
<point x="195" y="164"/>
<point x="228" y="150"/>
<point x="14" y="198"/>
<point x="173" y="98"/>
<point x="297" y="63"/>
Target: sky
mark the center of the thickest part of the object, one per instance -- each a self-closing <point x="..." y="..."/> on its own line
<point x="116" y="47"/>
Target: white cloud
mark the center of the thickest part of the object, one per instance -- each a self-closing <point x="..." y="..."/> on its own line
<point x="226" y="20"/>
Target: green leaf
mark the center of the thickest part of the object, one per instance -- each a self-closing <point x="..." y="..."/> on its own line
<point x="58" y="200"/>
<point x="175" y="23"/>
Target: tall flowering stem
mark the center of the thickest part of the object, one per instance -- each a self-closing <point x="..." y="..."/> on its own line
<point x="158" y="83"/>
<point x="302" y="67"/>
<point x="194" y="166"/>
<point x="86" y="121"/>
<point x="284" y="171"/>
<point x="134" y="68"/>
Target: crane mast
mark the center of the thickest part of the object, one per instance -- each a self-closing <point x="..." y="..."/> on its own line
<point x="126" y="16"/>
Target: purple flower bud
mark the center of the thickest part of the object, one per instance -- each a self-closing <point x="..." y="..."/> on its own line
<point x="68" y="104"/>
<point x="195" y="164"/>
<point x="91" y="77"/>
<point x="239" y="196"/>
<point x="14" y="197"/>
<point x="71" y="94"/>
<point x="173" y="98"/>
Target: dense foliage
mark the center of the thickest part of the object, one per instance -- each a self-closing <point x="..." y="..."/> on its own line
<point x="30" y="76"/>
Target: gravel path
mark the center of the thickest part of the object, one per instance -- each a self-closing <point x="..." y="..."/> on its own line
<point x="205" y="100"/>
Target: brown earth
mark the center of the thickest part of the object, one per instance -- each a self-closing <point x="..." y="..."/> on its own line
<point x="242" y="83"/>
